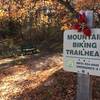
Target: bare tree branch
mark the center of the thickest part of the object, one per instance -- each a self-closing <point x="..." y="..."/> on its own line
<point x="66" y="3"/>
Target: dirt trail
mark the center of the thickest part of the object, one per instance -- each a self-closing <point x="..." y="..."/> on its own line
<point x="38" y="78"/>
<point x="15" y="79"/>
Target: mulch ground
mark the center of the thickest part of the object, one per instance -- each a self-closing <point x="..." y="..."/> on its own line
<point x="40" y="78"/>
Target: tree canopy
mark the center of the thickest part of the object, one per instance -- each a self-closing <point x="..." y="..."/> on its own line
<point x="35" y="20"/>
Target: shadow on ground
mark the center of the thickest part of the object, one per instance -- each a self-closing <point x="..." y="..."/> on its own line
<point x="41" y="78"/>
<point x="59" y="86"/>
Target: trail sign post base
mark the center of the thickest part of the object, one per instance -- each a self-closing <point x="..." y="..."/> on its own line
<point x="83" y="87"/>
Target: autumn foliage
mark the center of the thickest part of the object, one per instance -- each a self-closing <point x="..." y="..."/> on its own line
<point x="34" y="20"/>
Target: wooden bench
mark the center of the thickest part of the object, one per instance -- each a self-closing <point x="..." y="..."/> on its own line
<point x="29" y="49"/>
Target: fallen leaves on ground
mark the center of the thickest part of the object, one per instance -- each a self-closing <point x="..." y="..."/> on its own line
<point x="41" y="78"/>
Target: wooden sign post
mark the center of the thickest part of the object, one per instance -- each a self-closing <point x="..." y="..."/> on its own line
<point x="84" y="87"/>
<point x="82" y="56"/>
